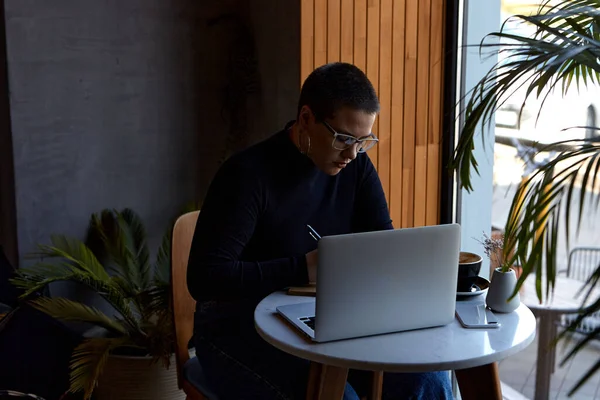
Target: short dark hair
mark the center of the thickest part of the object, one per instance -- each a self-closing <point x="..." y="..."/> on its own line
<point x="335" y="85"/>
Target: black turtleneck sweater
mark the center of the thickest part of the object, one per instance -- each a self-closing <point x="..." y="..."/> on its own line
<point x="251" y="237"/>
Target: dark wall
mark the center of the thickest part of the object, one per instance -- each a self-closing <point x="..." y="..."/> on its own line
<point x="276" y="26"/>
<point x="119" y="103"/>
<point x="8" y="229"/>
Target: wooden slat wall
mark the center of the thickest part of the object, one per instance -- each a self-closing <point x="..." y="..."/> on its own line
<point x="399" y="44"/>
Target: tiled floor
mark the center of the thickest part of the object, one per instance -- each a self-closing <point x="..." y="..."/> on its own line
<point x="518" y="372"/>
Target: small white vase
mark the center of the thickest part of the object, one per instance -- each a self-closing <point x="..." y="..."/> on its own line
<point x="501" y="288"/>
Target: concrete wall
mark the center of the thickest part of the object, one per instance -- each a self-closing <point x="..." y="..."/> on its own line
<point x="118" y="103"/>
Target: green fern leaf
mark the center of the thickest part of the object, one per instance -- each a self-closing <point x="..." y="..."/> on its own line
<point x="107" y="238"/>
<point x="88" y="361"/>
<point x="108" y="290"/>
<point x="136" y="239"/>
<point x="68" y="310"/>
<point x="162" y="269"/>
<point x="76" y="252"/>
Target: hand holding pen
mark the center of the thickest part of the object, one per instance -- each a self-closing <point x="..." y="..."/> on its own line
<point x="313" y="233"/>
<point x="312" y="257"/>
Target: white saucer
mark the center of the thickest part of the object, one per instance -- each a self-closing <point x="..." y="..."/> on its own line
<point x="480" y="286"/>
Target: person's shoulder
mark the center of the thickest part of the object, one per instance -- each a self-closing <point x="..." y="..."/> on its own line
<point x="255" y="154"/>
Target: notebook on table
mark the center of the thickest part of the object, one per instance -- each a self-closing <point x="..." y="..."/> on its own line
<point x="307" y="290"/>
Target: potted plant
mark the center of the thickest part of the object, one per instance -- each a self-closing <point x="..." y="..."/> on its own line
<point x="130" y="359"/>
<point x="502" y="295"/>
<point x="563" y="52"/>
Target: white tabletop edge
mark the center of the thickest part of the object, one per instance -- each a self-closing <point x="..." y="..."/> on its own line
<point x="302" y="347"/>
<point x="389" y="367"/>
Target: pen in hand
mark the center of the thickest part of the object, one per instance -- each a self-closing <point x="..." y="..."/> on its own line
<point x="313" y="233"/>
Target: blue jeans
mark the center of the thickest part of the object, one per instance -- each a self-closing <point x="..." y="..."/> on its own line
<point x="245" y="367"/>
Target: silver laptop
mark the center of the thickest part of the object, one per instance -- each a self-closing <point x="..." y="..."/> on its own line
<point x="381" y="282"/>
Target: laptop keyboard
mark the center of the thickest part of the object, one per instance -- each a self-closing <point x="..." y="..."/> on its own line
<point x="309" y="321"/>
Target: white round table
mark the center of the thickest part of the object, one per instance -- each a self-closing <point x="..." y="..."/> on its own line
<point x="469" y="352"/>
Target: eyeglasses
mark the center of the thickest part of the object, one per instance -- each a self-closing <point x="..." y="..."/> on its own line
<point x="343" y="142"/>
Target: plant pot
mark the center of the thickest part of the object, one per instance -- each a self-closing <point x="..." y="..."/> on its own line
<point x="136" y="378"/>
<point x="501" y="288"/>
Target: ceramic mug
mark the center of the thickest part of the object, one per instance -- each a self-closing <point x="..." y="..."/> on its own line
<point x="469" y="266"/>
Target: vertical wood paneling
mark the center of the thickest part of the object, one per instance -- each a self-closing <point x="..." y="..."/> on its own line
<point x="347" y="29"/>
<point x="385" y="92"/>
<point x="360" y="34"/>
<point x="396" y="133"/>
<point x="372" y="70"/>
<point x="422" y="111"/>
<point x="320" y="32"/>
<point x="434" y="138"/>
<point x="399" y="44"/>
<point x="307" y="38"/>
<point x="410" y="99"/>
<point x="333" y="30"/>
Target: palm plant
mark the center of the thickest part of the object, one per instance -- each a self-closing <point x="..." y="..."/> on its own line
<point x="114" y="262"/>
<point x="563" y="52"/>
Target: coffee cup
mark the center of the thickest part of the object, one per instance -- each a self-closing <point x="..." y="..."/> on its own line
<point x="469" y="265"/>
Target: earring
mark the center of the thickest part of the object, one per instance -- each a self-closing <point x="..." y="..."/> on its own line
<point x="307" y="152"/>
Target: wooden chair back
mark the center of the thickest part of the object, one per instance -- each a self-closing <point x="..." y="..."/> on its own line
<point x="182" y="302"/>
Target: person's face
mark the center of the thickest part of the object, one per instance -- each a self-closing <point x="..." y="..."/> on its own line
<point x="328" y="154"/>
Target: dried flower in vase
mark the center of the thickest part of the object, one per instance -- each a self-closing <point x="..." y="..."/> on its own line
<point x="494" y="250"/>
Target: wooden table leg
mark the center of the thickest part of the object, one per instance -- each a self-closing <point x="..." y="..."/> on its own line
<point x="554" y="333"/>
<point x="545" y="355"/>
<point x="326" y="382"/>
<point x="376" y="385"/>
<point x="481" y="382"/>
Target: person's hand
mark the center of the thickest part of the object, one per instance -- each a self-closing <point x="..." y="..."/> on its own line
<point x="311" y="264"/>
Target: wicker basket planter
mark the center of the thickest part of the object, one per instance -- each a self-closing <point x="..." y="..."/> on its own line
<point x="135" y="378"/>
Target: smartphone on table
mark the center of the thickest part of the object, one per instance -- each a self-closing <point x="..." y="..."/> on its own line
<point x="472" y="315"/>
